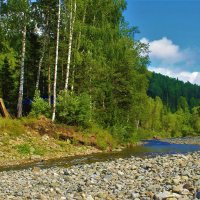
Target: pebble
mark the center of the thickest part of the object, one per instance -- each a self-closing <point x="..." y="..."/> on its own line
<point x="159" y="178"/>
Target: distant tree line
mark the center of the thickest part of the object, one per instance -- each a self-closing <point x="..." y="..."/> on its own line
<point x="171" y="91"/>
<point x="173" y="107"/>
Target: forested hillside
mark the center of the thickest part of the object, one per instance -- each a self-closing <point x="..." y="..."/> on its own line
<point x="170" y="90"/>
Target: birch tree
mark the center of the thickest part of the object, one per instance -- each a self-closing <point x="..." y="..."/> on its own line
<point x="20" y="15"/>
<point x="56" y="62"/>
<point x="72" y="20"/>
<point x="21" y="84"/>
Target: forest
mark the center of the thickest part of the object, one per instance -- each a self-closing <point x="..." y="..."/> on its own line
<point x="170" y="90"/>
<point x="77" y="63"/>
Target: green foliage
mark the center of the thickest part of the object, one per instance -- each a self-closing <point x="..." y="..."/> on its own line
<point x="29" y="149"/>
<point x="24" y="149"/>
<point x="104" y="139"/>
<point x="73" y="109"/>
<point x="40" y="106"/>
<point x="142" y="134"/>
<point x="174" y="93"/>
<point x="182" y="104"/>
<point x="196" y="119"/>
<point x="108" y="81"/>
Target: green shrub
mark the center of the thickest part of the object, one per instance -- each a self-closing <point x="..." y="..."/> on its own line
<point x="142" y="134"/>
<point x="24" y="149"/>
<point x="103" y="137"/>
<point x="27" y="148"/>
<point x="122" y="131"/>
<point x="40" y="106"/>
<point x="72" y="109"/>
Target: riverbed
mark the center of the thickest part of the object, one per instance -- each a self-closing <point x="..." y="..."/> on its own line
<point x="170" y="177"/>
<point x="173" y="173"/>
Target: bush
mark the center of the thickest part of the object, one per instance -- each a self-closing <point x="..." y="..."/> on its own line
<point x="123" y="132"/>
<point x="40" y="106"/>
<point x="24" y="149"/>
<point x="73" y="110"/>
<point x="103" y="137"/>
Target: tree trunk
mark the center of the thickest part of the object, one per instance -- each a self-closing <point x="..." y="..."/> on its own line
<point x="21" y="85"/>
<point x="49" y="74"/>
<point x="137" y="122"/>
<point x="39" y="71"/>
<point x="78" y="47"/>
<point x="72" y="20"/>
<point x="42" y="56"/>
<point x="1" y="3"/>
<point x="73" y="77"/>
<point x="56" y="64"/>
<point x="49" y="84"/>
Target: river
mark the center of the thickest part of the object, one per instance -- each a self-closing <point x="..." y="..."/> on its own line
<point x="148" y="149"/>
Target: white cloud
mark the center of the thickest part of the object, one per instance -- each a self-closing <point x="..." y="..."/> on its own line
<point x="192" y="77"/>
<point x="169" y="59"/>
<point x="166" y="52"/>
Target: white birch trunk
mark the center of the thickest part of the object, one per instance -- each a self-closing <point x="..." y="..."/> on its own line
<point x="72" y="20"/>
<point x="56" y="64"/>
<point x="21" y="84"/>
<point x="73" y="77"/>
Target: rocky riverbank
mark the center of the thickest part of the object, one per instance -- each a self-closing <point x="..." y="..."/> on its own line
<point x="184" y="140"/>
<point x="169" y="177"/>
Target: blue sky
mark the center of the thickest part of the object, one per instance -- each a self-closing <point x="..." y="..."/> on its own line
<point x="172" y="29"/>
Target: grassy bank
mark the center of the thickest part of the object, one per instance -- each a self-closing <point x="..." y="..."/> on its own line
<point x="28" y="140"/>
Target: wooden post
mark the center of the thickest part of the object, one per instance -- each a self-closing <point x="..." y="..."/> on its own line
<point x="3" y="109"/>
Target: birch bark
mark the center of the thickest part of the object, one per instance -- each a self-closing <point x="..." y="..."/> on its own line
<point x="21" y="84"/>
<point x="72" y="21"/>
<point x="56" y="63"/>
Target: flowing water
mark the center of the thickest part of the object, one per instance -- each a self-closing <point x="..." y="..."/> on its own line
<point x="149" y="148"/>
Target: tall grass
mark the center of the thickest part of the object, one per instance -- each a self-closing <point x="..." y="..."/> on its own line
<point x="11" y="127"/>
